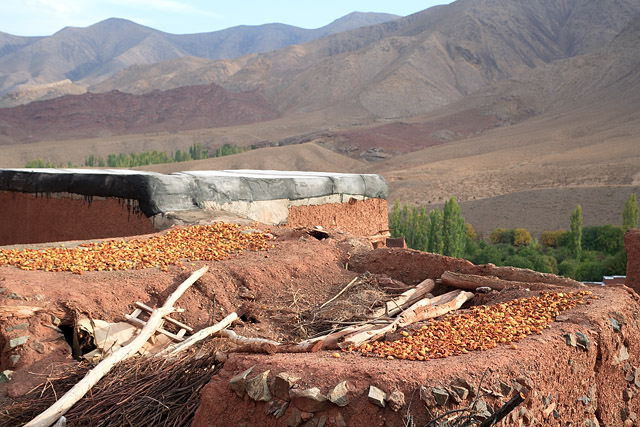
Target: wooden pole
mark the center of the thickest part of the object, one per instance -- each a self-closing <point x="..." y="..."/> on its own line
<point x="198" y="336"/>
<point x="58" y="409"/>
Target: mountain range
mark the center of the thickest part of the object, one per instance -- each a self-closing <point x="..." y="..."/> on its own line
<point x="89" y="55"/>
<point x="498" y="102"/>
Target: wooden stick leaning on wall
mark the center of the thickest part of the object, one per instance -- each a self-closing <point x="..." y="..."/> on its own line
<point x="58" y="409"/>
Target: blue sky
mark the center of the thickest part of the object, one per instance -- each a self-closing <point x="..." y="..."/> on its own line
<point x="45" y="17"/>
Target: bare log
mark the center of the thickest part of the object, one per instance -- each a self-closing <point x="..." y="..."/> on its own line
<point x="529" y="276"/>
<point x="422" y="310"/>
<point x="436" y="307"/>
<point x="18" y="311"/>
<point x="405" y="299"/>
<point x="473" y="281"/>
<point x="198" y="336"/>
<point x="58" y="409"/>
<point x="261" y="345"/>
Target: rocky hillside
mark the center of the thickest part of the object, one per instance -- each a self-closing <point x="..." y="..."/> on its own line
<point x="117" y="113"/>
<point x="88" y="55"/>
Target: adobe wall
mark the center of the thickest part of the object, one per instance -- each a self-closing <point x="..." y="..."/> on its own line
<point x="30" y="218"/>
<point x="45" y="205"/>
<point x="632" y="246"/>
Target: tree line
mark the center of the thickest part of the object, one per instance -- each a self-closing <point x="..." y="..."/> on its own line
<point x="145" y="158"/>
<point x="582" y="253"/>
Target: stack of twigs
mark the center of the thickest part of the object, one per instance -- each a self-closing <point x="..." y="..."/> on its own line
<point x="138" y="392"/>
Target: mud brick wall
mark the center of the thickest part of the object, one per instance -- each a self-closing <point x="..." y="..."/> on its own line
<point x="30" y="218"/>
<point x="632" y="246"/>
<point x="359" y="217"/>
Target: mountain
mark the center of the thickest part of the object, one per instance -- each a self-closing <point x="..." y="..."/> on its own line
<point x="117" y="113"/>
<point x="411" y="65"/>
<point x="88" y="55"/>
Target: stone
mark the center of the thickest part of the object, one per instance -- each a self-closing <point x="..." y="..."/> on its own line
<point x="396" y="400"/>
<point x="462" y="382"/>
<point x="505" y="389"/>
<point x="377" y="396"/>
<point x="306" y="416"/>
<point x="238" y="382"/>
<point x="13" y="359"/>
<point x="37" y="346"/>
<point x="338" y="394"/>
<point x="591" y="422"/>
<point x="5" y="376"/>
<point x="309" y="400"/>
<point x="277" y="408"/>
<point x="622" y="355"/>
<point x="441" y="395"/>
<point x="614" y="324"/>
<point x="16" y="342"/>
<point x="562" y="318"/>
<point x="55" y="321"/>
<point x="13" y="295"/>
<point x="482" y="409"/>
<point x="570" y="339"/>
<point x="427" y="397"/>
<point x="462" y="392"/>
<point x="3" y="290"/>
<point x="257" y="387"/>
<point x="627" y="394"/>
<point x="322" y="421"/>
<point x="583" y="341"/>
<point x="584" y="399"/>
<point x="19" y="327"/>
<point x="282" y="384"/>
<point x="295" y="419"/>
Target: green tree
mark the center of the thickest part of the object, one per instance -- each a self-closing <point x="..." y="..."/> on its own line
<point x="453" y="229"/>
<point x="630" y="213"/>
<point x="434" y="233"/>
<point x="576" y="232"/>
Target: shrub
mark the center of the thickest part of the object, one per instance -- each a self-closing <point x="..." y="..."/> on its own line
<point x="568" y="268"/>
<point x="590" y="271"/>
<point x="550" y="239"/>
<point x="521" y="237"/>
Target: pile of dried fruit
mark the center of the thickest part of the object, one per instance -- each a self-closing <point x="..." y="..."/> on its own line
<point x="197" y="243"/>
<point x="483" y="328"/>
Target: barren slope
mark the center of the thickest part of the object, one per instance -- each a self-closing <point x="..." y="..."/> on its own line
<point x="88" y="55"/>
<point x="421" y="62"/>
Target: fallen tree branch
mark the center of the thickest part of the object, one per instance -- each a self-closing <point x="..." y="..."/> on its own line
<point x="473" y="281"/>
<point x="435" y="307"/>
<point x="18" y="311"/>
<point x="58" y="409"/>
<point x="198" y="336"/>
<point x="405" y="299"/>
<point x="261" y="345"/>
<point x="422" y="310"/>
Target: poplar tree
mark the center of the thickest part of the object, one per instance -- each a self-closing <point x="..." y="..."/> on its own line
<point x="434" y="233"/>
<point x="576" y="232"/>
<point x="453" y="229"/>
<point x="630" y="213"/>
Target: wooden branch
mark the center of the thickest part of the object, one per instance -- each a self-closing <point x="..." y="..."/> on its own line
<point x="198" y="336"/>
<point x="76" y="393"/>
<point x="168" y="319"/>
<point x="422" y="310"/>
<point x="473" y="281"/>
<point x="18" y="311"/>
<point x="340" y="293"/>
<point x="261" y="345"/>
<point x="405" y="299"/>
